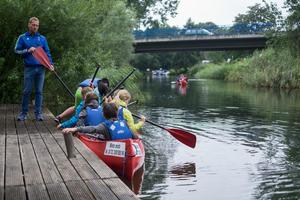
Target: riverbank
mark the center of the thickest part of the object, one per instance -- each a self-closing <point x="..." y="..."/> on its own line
<point x="274" y="68"/>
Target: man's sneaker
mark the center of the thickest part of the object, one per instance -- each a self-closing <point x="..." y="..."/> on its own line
<point x="22" y="116"/>
<point x="57" y="119"/>
<point x="39" y="117"/>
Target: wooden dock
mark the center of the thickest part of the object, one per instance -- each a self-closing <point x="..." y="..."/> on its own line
<point x="34" y="165"/>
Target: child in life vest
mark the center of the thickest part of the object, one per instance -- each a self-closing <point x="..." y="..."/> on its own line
<point x="91" y="114"/>
<point x="111" y="129"/>
<point x="122" y="99"/>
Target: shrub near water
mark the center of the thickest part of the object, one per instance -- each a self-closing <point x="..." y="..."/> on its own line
<point x="267" y="68"/>
<point x="272" y="68"/>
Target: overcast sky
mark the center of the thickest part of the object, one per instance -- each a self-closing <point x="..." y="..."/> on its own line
<point x="221" y="12"/>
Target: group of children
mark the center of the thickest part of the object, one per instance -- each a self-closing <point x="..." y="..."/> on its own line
<point x="108" y="121"/>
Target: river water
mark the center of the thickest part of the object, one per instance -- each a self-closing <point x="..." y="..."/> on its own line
<point x="248" y="141"/>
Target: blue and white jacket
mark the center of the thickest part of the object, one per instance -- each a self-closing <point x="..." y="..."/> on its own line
<point x="25" y="41"/>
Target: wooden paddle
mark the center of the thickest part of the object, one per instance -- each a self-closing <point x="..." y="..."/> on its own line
<point x="40" y="55"/>
<point x="183" y="136"/>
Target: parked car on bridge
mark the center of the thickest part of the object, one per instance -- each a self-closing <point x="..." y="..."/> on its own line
<point x="198" y="31"/>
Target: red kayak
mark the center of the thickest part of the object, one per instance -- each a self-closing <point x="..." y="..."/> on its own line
<point x="182" y="82"/>
<point x="124" y="157"/>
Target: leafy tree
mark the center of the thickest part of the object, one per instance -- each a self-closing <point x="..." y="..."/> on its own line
<point x="153" y="12"/>
<point x="190" y="24"/>
<point x="293" y="26"/>
<point x="258" y="18"/>
<point x="80" y="34"/>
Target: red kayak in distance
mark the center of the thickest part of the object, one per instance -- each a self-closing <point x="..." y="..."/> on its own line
<point x="124" y="157"/>
<point x="182" y="80"/>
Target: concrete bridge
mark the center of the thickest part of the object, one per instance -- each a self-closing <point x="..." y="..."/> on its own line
<point x="201" y="43"/>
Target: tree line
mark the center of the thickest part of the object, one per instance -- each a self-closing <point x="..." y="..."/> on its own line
<point x="81" y="35"/>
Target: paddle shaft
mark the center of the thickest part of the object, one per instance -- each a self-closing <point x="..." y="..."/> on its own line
<point x="131" y="103"/>
<point x="65" y="86"/>
<point x="119" y="84"/>
<point x="150" y="122"/>
<point x="95" y="74"/>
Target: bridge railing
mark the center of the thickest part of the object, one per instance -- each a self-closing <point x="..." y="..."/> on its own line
<point x="236" y="29"/>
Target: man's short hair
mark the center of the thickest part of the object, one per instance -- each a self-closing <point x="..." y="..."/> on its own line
<point x="33" y="19"/>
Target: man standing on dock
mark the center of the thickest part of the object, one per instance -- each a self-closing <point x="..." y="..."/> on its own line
<point x="34" y="72"/>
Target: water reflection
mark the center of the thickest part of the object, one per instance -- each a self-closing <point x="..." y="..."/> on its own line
<point x="181" y="89"/>
<point x="136" y="183"/>
<point x="248" y="142"/>
<point x="185" y="170"/>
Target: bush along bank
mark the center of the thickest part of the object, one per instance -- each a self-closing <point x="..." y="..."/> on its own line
<point x="275" y="68"/>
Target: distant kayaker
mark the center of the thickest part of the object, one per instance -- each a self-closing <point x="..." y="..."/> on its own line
<point x="74" y="119"/>
<point x="111" y="129"/>
<point x="101" y="88"/>
<point x="122" y="99"/>
<point x="91" y="114"/>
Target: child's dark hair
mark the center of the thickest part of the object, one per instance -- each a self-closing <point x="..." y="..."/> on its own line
<point x="103" y="86"/>
<point x="105" y="80"/>
<point x="110" y="110"/>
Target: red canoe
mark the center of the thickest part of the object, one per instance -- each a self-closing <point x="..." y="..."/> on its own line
<point x="124" y="157"/>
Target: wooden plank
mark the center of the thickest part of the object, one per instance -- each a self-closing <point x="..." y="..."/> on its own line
<point x="80" y="164"/>
<point x="31" y="170"/>
<point x="79" y="190"/>
<point x="63" y="165"/>
<point x="35" y="187"/>
<point x="58" y="191"/>
<point x="2" y="118"/>
<point x="100" y="190"/>
<point x="2" y="148"/>
<point x="13" y="170"/>
<point x="97" y="164"/>
<point x="10" y="128"/>
<point x="48" y="169"/>
<point x="37" y="192"/>
<point x="15" y="193"/>
<point x="2" y="192"/>
<point x="2" y="159"/>
<point x="120" y="189"/>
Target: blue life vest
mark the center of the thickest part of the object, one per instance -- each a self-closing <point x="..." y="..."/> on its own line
<point x="120" y="113"/>
<point x="118" y="129"/>
<point x="94" y="116"/>
<point x="86" y="82"/>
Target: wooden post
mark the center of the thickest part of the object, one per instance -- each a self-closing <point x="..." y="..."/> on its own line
<point x="69" y="145"/>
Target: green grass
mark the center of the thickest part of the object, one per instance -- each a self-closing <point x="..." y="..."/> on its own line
<point x="268" y="68"/>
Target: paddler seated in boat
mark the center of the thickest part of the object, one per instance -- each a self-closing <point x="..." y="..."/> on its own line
<point x="74" y="119"/>
<point x="111" y="129"/>
<point x="101" y="88"/>
<point x="91" y="114"/>
<point x="122" y="99"/>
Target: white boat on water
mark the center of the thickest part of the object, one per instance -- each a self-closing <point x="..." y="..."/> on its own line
<point x="160" y="72"/>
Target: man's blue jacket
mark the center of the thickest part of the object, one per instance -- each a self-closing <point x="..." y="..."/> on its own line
<point x="25" y="41"/>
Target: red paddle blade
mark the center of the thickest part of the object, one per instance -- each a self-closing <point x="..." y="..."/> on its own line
<point x="185" y="137"/>
<point x="40" y="55"/>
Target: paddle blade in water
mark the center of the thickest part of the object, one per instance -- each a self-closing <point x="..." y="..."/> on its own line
<point x="183" y="136"/>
